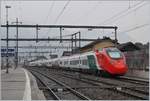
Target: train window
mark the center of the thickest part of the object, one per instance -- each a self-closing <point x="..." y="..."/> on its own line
<point x="71" y="62"/>
<point x="66" y="62"/>
<point x="80" y="61"/>
<point x="92" y="61"/>
<point x="114" y="53"/>
<point x="74" y="62"/>
<point x="84" y="62"/>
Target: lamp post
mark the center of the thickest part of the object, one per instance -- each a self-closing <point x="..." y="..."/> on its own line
<point x="16" y="56"/>
<point x="7" y="66"/>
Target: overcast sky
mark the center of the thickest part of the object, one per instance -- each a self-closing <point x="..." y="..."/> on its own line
<point x="131" y="17"/>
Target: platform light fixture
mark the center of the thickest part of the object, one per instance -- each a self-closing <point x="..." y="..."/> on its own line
<point x="7" y="65"/>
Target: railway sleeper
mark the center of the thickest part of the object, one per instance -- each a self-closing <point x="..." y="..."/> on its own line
<point x="118" y="89"/>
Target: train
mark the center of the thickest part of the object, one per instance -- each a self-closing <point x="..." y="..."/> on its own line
<point x="108" y="60"/>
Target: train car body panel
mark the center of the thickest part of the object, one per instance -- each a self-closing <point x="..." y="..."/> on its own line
<point x="109" y="59"/>
<point x="112" y="61"/>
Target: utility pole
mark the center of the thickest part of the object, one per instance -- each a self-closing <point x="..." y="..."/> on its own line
<point x="16" y="56"/>
<point x="75" y="34"/>
<point x="79" y="41"/>
<point x="72" y="44"/>
<point x="116" y="40"/>
<point x="60" y="34"/>
<point x="37" y="32"/>
<point x="7" y="65"/>
<point x="75" y="42"/>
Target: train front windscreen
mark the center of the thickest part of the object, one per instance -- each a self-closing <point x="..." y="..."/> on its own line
<point x="114" y="53"/>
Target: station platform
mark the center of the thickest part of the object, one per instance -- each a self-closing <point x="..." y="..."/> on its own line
<point x="19" y="84"/>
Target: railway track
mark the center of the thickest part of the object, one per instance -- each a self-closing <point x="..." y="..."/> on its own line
<point x="60" y="93"/>
<point x="128" y="91"/>
<point x="133" y="80"/>
<point x="123" y="83"/>
<point x="126" y="79"/>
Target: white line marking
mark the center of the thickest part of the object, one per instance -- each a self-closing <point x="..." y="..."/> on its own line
<point x="27" y="92"/>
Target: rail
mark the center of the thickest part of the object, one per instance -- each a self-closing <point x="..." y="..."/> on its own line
<point x="80" y="95"/>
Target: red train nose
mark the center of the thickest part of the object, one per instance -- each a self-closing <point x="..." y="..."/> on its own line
<point x="118" y="67"/>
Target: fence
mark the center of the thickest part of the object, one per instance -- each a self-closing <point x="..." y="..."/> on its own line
<point x="137" y="59"/>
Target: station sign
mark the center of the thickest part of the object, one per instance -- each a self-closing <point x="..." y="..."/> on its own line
<point x="9" y="55"/>
<point x="11" y="52"/>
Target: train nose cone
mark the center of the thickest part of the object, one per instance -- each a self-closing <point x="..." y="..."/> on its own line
<point x="118" y="67"/>
<point x="122" y="69"/>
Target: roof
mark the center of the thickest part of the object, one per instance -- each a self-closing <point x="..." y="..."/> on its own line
<point x="67" y="53"/>
<point x="39" y="58"/>
<point x="90" y="45"/>
<point x="129" y="46"/>
<point x="52" y="56"/>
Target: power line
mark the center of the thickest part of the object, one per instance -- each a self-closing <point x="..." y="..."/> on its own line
<point x="49" y="12"/>
<point x="118" y="15"/>
<point x="130" y="12"/>
<point x="57" y="18"/>
<point x="62" y="36"/>
<point x="135" y="28"/>
<point x="62" y="11"/>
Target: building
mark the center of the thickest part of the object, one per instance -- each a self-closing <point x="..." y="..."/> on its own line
<point x="52" y="56"/>
<point x="137" y="55"/>
<point x="107" y="42"/>
<point x="99" y="43"/>
<point x="129" y="46"/>
<point x="67" y="53"/>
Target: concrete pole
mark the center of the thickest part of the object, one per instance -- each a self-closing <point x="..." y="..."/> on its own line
<point x="7" y="64"/>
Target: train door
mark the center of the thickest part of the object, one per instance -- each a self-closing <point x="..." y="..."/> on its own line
<point x="92" y="62"/>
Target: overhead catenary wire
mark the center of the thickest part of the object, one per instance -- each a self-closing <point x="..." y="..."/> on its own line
<point x="130" y="12"/>
<point x="62" y="36"/>
<point x="124" y="13"/>
<point x="49" y="12"/>
<point x="135" y="28"/>
<point x="62" y="11"/>
<point x="68" y="35"/>
<point x="57" y="18"/>
<point x="120" y="14"/>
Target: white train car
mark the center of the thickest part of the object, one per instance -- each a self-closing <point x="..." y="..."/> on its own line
<point x="37" y="63"/>
<point x="32" y="63"/>
<point x="82" y="61"/>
